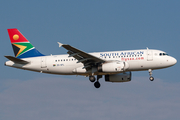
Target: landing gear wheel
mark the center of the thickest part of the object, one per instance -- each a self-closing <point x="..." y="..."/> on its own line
<point x="97" y="84"/>
<point x="92" y="78"/>
<point x="151" y="78"/>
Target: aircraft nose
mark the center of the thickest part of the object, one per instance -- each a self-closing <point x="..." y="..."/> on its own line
<point x="173" y="61"/>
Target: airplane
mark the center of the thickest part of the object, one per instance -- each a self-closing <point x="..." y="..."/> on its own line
<point x="115" y="66"/>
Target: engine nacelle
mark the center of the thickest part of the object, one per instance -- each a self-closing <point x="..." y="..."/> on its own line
<point x="121" y="77"/>
<point x="117" y="66"/>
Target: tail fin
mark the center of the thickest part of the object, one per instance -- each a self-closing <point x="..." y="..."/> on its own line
<point x="21" y="46"/>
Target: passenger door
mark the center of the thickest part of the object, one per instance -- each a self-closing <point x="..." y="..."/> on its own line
<point x="149" y="55"/>
<point x="43" y="62"/>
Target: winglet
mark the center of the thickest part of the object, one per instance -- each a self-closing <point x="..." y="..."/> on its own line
<point x="60" y="44"/>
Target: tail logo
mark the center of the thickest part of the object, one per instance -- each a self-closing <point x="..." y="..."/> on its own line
<point x="19" y="49"/>
<point x="21" y="46"/>
<point x="15" y="37"/>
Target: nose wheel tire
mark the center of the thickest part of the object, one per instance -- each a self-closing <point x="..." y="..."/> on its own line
<point x="151" y="78"/>
<point x="97" y="84"/>
<point x="92" y="78"/>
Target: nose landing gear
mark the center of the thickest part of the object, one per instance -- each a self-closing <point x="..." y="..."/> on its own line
<point x="151" y="78"/>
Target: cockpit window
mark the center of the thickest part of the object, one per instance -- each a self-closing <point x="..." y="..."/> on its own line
<point x="163" y="54"/>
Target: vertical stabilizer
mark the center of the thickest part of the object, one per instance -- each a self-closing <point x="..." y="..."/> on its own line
<point x="21" y="46"/>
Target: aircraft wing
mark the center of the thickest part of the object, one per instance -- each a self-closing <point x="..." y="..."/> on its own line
<point x="87" y="59"/>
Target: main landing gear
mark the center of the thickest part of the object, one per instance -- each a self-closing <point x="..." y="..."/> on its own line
<point x="93" y="79"/>
<point x="151" y="78"/>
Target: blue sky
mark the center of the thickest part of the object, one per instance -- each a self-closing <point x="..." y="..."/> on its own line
<point x="92" y="26"/>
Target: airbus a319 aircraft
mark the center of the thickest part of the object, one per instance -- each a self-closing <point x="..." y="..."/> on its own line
<point x="116" y="66"/>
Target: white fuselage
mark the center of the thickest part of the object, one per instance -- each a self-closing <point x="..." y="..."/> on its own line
<point x="138" y="60"/>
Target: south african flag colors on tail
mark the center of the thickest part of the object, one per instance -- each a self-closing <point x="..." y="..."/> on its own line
<point x="21" y="46"/>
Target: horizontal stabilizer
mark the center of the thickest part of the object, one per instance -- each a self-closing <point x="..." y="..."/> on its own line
<point x="16" y="60"/>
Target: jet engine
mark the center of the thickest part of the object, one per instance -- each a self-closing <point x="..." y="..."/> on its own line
<point x="121" y="77"/>
<point x="116" y="66"/>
